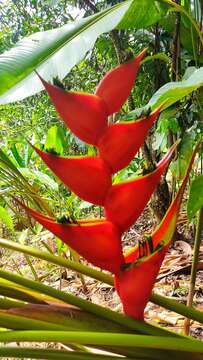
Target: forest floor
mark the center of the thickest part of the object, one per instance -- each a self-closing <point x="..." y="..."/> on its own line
<point x="173" y="279"/>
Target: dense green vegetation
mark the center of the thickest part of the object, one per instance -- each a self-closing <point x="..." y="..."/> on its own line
<point x="73" y="44"/>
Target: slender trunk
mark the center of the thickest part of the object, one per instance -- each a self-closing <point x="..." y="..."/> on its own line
<point x="200" y="48"/>
<point x="160" y="200"/>
<point x="121" y="54"/>
<point x="90" y="5"/>
<point x="175" y="75"/>
<point x="176" y="47"/>
<point x="157" y="62"/>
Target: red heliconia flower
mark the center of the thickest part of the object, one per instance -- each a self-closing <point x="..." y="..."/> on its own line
<point x="87" y="114"/>
<point x="126" y="201"/>
<point x="88" y="177"/>
<point x="98" y="241"/>
<point x="121" y="141"/>
<point x="117" y="84"/>
<point x="135" y="282"/>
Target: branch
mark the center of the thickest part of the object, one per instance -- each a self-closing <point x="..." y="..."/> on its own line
<point x="90" y="5"/>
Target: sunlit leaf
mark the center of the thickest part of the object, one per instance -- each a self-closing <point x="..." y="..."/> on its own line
<point x="180" y="165"/>
<point x="55" y="140"/>
<point x="195" y="201"/>
<point x="172" y="92"/>
<point x="54" y="52"/>
<point x="137" y="16"/>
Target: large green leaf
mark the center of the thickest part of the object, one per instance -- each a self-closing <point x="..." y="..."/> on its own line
<point x="142" y="14"/>
<point x="54" y="52"/>
<point x="172" y="92"/>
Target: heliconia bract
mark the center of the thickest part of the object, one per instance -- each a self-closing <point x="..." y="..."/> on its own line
<point x="85" y="114"/>
<point x="125" y="201"/>
<point x="90" y="177"/>
<point x="134" y="285"/>
<point x="135" y="282"/>
<point x="121" y="141"/>
<point x="116" y="85"/>
<point x="97" y="241"/>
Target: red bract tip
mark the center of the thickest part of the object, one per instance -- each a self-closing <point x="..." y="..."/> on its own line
<point x="88" y="177"/>
<point x="134" y="284"/>
<point x="85" y="114"/>
<point x="116" y="85"/>
<point x="120" y="142"/>
<point x="126" y="201"/>
<point x="99" y="242"/>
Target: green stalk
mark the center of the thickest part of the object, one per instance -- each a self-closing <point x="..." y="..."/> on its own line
<point x="169" y="304"/>
<point x="181" y="309"/>
<point x="11" y="321"/>
<point x="47" y="247"/>
<point x="13" y="292"/>
<point x="94" y="338"/>
<point x="160" y="56"/>
<point x="193" y="47"/>
<point x="71" y="319"/>
<point x="194" y="267"/>
<point x="16" y="267"/>
<point x="76" y="259"/>
<point x="51" y="354"/>
<point x="58" y="260"/>
<point x="21" y="322"/>
<point x="100" y="311"/>
<point x="31" y="267"/>
<point x="8" y="304"/>
<point x="196" y="9"/>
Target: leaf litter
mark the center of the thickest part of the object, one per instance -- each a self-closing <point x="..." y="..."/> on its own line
<point x="172" y="282"/>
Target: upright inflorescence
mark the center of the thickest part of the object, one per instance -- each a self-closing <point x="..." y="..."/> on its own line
<point x="99" y="240"/>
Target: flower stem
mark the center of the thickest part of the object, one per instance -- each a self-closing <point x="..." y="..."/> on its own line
<point x="194" y="267"/>
<point x="99" y="338"/>
<point x="6" y="303"/>
<point x="103" y="277"/>
<point x="173" y="305"/>
<point x="57" y="260"/>
<point x="140" y="327"/>
<point x="49" y="354"/>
